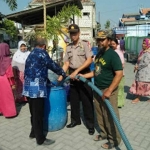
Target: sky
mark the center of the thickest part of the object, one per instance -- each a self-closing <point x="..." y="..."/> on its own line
<point x="110" y="10"/>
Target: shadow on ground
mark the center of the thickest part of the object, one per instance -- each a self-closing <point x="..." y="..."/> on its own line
<point x="19" y="106"/>
<point x="130" y="96"/>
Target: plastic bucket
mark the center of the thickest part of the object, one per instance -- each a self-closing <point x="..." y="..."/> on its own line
<point x="55" y="114"/>
<point x="52" y="76"/>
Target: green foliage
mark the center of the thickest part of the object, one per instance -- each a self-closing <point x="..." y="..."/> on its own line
<point x="107" y="25"/>
<point x="12" y="4"/>
<point x="98" y="26"/>
<point x="56" y="23"/>
<point x="10" y="29"/>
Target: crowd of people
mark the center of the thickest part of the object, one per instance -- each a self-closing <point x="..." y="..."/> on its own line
<point x="24" y="79"/>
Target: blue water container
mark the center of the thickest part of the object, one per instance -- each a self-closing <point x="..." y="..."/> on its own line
<point x="55" y="115"/>
<point x="52" y="76"/>
<point x="95" y="50"/>
<point x="92" y="66"/>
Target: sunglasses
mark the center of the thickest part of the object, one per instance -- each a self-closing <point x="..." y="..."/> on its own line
<point x="101" y="39"/>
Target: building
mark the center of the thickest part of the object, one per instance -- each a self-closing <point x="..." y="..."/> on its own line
<point x="87" y="22"/>
<point x="34" y="15"/>
<point x="134" y="24"/>
<point x="135" y="27"/>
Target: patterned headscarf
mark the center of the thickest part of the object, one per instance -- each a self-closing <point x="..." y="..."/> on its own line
<point x="147" y="42"/>
<point x="5" y="59"/>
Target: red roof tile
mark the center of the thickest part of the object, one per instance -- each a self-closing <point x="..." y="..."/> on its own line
<point x="127" y="19"/>
<point x="145" y="10"/>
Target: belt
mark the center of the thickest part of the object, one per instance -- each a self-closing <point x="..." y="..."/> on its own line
<point x="84" y="71"/>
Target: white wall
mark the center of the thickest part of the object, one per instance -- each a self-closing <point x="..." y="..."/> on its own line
<point x="87" y="22"/>
<point x="138" y="30"/>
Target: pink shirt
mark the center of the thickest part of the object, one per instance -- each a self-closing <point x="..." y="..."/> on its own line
<point x="120" y="53"/>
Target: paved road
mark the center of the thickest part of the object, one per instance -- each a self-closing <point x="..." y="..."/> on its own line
<point x="135" y="120"/>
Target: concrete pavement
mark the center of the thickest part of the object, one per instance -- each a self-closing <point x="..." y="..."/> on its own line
<point x="135" y="120"/>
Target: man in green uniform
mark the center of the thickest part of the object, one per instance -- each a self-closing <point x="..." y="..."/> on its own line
<point x="107" y="75"/>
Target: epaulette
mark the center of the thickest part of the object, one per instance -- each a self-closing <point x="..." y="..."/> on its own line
<point x="89" y="45"/>
<point x="69" y="44"/>
<point x="85" y="41"/>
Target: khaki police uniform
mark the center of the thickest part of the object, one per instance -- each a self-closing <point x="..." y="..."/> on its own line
<point x="79" y="91"/>
<point x="77" y="55"/>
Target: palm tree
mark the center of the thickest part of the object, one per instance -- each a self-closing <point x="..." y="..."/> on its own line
<point x="107" y="25"/>
<point x="11" y="3"/>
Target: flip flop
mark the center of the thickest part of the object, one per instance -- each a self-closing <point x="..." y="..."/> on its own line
<point x="99" y="138"/>
<point x="108" y="145"/>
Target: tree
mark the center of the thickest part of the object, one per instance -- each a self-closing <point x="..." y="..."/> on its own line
<point x="107" y="25"/>
<point x="55" y="24"/>
<point x="98" y="26"/>
<point x="10" y="29"/>
<point x="12" y="4"/>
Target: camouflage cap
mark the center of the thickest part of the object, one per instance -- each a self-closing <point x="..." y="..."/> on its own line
<point x="102" y="35"/>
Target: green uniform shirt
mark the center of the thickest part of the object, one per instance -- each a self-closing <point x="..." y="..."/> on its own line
<point x="105" y="68"/>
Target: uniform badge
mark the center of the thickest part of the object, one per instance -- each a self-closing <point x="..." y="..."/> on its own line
<point x="72" y="27"/>
<point x="81" y="47"/>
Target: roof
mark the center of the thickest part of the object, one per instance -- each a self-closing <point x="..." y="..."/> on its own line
<point x="127" y="19"/>
<point x="130" y="15"/>
<point x="48" y="1"/>
<point x="35" y="15"/>
<point x="137" y="22"/>
<point x="144" y="11"/>
<point x="39" y="2"/>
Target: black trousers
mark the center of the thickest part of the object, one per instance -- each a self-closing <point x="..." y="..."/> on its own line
<point x="36" y="107"/>
<point x="80" y="91"/>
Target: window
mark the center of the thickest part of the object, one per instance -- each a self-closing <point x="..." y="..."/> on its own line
<point x="86" y="14"/>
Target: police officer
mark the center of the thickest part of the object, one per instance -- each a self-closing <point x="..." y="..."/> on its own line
<point x="77" y="59"/>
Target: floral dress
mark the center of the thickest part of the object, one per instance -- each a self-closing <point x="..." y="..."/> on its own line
<point x="141" y="85"/>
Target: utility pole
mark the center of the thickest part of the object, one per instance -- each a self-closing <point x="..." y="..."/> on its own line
<point x="44" y="13"/>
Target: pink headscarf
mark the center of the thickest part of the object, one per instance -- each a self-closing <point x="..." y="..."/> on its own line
<point x="147" y="42"/>
<point x="5" y="59"/>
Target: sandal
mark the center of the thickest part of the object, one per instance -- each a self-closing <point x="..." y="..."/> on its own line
<point x="99" y="138"/>
<point x="108" y="145"/>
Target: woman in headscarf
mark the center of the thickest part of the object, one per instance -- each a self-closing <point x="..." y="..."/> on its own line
<point x="121" y="97"/>
<point x="18" y="64"/>
<point x="141" y="85"/>
<point x="7" y="102"/>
